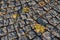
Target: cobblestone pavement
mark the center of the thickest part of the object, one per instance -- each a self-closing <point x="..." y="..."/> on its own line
<point x="29" y="19"/>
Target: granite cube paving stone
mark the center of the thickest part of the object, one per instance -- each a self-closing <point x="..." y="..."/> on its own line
<point x="4" y="38"/>
<point x="29" y="19"/>
<point x="23" y="38"/>
<point x="37" y="38"/>
<point x="6" y="22"/>
<point x="31" y="34"/>
<point x="3" y="31"/>
<point x="12" y="35"/>
<point x="10" y="28"/>
<point x="47" y="35"/>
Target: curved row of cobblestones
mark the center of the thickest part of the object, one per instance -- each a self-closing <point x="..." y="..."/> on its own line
<point x="29" y="19"/>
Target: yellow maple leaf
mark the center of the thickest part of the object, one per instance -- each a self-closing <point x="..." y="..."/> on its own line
<point x="15" y="16"/>
<point x="39" y="28"/>
<point x="26" y="9"/>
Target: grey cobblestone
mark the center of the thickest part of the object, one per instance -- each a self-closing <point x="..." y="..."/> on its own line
<point x="21" y="26"/>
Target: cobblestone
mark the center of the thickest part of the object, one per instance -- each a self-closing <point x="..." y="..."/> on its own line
<point x="18" y="17"/>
